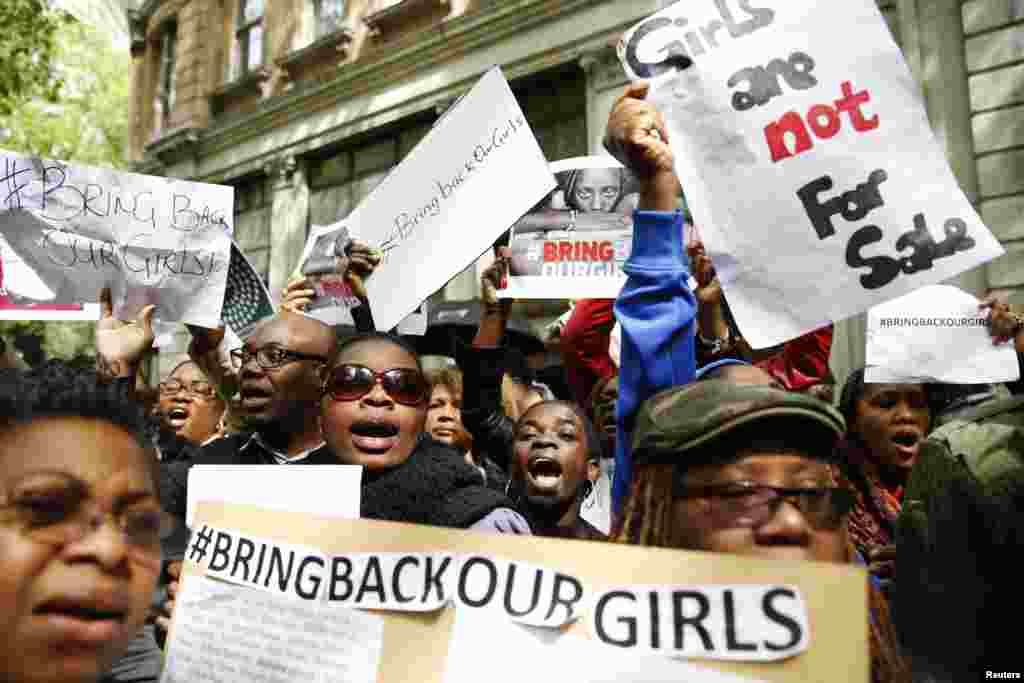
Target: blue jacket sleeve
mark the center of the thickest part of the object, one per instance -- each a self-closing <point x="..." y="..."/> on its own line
<point x="656" y="310"/>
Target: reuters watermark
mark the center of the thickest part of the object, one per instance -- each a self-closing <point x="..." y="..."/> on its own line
<point x="933" y="322"/>
<point x="1002" y="675"/>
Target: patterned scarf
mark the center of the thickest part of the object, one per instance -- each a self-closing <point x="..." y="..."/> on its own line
<point x="873" y="518"/>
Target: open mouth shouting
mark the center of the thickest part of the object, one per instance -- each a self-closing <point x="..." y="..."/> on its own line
<point x="544" y="474"/>
<point x="906" y="442"/>
<point x="375" y="437"/>
<point x="176" y="417"/>
<point x="255" y="397"/>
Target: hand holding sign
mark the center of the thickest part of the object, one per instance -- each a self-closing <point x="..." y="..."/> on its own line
<point x="120" y="345"/>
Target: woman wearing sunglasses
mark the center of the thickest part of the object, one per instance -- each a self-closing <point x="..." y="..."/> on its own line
<point x="373" y="413"/>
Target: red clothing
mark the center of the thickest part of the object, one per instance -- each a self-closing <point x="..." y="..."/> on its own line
<point x="584" y="347"/>
<point x="803" y="361"/>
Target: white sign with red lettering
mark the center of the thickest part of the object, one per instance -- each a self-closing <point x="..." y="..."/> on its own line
<point x="804" y="151"/>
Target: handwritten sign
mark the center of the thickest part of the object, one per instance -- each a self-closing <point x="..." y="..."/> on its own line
<point x="575" y="242"/>
<point x="476" y="171"/>
<point x="153" y="240"/>
<point x="801" y="141"/>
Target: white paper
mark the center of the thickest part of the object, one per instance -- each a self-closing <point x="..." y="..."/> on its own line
<point x="574" y="243"/>
<point x="908" y="215"/>
<point x="935" y="334"/>
<point x="153" y="240"/>
<point x="291" y="571"/>
<point x="415" y="324"/>
<point x="487" y="647"/>
<point x="520" y="591"/>
<point x="403" y="582"/>
<point x="757" y="623"/>
<point x="327" y="490"/>
<point x="226" y="634"/>
<point x="475" y="173"/>
<point x="596" y="508"/>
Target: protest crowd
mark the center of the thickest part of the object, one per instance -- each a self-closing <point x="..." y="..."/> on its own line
<point x="663" y="413"/>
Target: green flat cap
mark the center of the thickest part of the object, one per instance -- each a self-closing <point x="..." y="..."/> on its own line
<point x="685" y="418"/>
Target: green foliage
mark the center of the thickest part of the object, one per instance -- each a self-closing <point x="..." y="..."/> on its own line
<point x="57" y="339"/>
<point x="88" y="121"/>
<point x="28" y="30"/>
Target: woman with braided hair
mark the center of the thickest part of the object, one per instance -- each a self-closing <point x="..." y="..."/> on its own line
<point x="745" y="469"/>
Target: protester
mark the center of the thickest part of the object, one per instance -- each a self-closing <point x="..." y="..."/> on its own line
<point x="373" y="411"/>
<point x="80" y="525"/>
<point x="498" y="383"/>
<point x="555" y="459"/>
<point x="444" y="424"/>
<point x="744" y="469"/>
<point x="189" y="405"/>
<point x="656" y="308"/>
<point x="584" y="345"/>
<point x="886" y="425"/>
<point x="960" y="521"/>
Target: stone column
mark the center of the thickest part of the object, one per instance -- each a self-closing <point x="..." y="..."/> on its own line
<point x="605" y="83"/>
<point x="289" y="218"/>
<point x="933" y="42"/>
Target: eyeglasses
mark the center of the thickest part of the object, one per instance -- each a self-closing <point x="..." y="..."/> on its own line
<point x="51" y="508"/>
<point x="741" y="505"/>
<point x="196" y="388"/>
<point x="271" y="357"/>
<point x="351" y="382"/>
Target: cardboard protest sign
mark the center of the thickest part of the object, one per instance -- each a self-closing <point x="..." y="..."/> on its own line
<point x="801" y="142"/>
<point x="474" y="173"/>
<point x="935" y="334"/>
<point x="573" y="243"/>
<point x="787" y="621"/>
<point x="153" y="240"/>
<point x="246" y="299"/>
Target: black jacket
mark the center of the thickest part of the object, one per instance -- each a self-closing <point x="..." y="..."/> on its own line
<point x="434" y="486"/>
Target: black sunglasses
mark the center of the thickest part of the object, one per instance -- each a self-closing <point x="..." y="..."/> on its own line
<point x="351" y="382"/>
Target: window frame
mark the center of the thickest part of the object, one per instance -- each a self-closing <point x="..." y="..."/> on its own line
<point x="166" y="91"/>
<point x="318" y="18"/>
<point x="243" y="35"/>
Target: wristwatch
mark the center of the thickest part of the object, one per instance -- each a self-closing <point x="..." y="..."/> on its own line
<point x="716" y="345"/>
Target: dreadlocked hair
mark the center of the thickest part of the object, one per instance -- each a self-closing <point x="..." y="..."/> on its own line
<point x="646" y="518"/>
<point x="887" y="664"/>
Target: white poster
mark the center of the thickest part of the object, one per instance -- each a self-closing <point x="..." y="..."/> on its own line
<point x="328" y="490"/>
<point x="801" y="141"/>
<point x="475" y="173"/>
<point x="935" y="334"/>
<point x="69" y="230"/>
<point x="574" y="243"/>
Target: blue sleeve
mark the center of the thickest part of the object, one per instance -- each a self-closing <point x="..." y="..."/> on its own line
<point x="656" y="310"/>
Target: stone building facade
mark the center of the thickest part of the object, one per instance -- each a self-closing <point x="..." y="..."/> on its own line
<point x="304" y="105"/>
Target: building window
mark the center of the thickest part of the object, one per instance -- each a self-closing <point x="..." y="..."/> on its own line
<point x="165" y="84"/>
<point x="327" y="15"/>
<point x="248" y="37"/>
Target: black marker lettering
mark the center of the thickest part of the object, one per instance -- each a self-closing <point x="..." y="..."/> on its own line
<point x="784" y="620"/>
<point x="630" y="622"/>
<point x="681" y="621"/>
